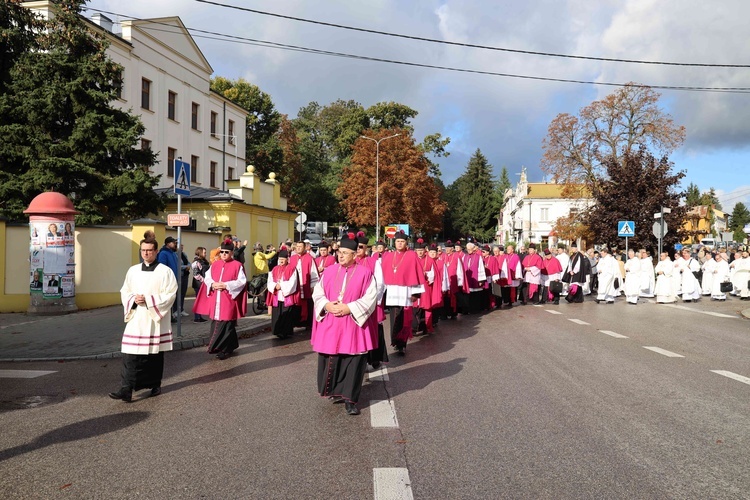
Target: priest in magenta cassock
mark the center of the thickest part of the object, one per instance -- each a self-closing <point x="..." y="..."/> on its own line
<point x="404" y="282"/>
<point x="223" y="298"/>
<point x="344" y="326"/>
<point x="147" y="296"/>
<point x="532" y="269"/>
<point x="283" y="296"/>
<point x="475" y="277"/>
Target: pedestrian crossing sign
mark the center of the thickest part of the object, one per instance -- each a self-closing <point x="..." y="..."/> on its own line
<point x="181" y="178"/>
<point x="625" y="229"/>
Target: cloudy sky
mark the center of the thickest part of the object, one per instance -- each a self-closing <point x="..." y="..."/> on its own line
<point x="506" y="118"/>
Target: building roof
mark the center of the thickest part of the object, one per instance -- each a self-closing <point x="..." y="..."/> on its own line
<point x="202" y="194"/>
<point x="550" y="191"/>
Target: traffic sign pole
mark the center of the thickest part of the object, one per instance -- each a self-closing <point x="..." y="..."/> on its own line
<point x="181" y="187"/>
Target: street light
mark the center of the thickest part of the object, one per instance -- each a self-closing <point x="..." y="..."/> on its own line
<point x="377" y="180"/>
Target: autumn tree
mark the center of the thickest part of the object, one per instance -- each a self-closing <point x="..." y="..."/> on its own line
<point x="59" y="128"/>
<point x="262" y="148"/>
<point x="407" y="193"/>
<point x="576" y="147"/>
<point x="636" y="187"/>
<point x="737" y="221"/>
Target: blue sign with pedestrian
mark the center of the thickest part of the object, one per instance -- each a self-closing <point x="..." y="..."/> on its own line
<point x="678" y="246"/>
<point x="181" y="178"/>
<point x="625" y="229"/>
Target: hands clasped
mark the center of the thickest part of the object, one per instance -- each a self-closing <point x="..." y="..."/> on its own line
<point x="338" y="308"/>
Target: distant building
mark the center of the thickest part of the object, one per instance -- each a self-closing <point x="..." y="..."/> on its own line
<point x="531" y="210"/>
<point x="167" y="83"/>
<point x="703" y="221"/>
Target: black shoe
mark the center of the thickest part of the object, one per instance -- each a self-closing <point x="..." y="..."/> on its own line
<point x="336" y="399"/>
<point x="597" y="301"/>
<point x="155" y="391"/>
<point x="222" y="355"/>
<point x="123" y="394"/>
<point x="376" y="365"/>
<point x="199" y="320"/>
<point x="557" y="302"/>
<point x="351" y="408"/>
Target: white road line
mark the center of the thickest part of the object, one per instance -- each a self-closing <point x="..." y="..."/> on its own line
<point x="538" y="305"/>
<point x="710" y="313"/>
<point x="578" y="321"/>
<point x="739" y="378"/>
<point x="392" y="484"/>
<point x="664" y="352"/>
<point x="383" y="414"/>
<point x="381" y="374"/>
<point x="24" y="373"/>
<point x="613" y="334"/>
<point x="553" y="312"/>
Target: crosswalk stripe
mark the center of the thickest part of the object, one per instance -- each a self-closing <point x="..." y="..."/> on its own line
<point x="613" y="334"/>
<point x="553" y="312"/>
<point x="578" y="321"/>
<point x="381" y="374"/>
<point x="383" y="414"/>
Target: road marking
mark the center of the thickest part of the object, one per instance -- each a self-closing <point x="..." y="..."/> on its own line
<point x="378" y="375"/>
<point x="24" y="373"/>
<point x="710" y="313"/>
<point x="740" y="378"/>
<point x="538" y="305"/>
<point x="553" y="312"/>
<point x="613" y="334"/>
<point x="578" y="321"/>
<point x="664" y="352"/>
<point x="392" y="483"/>
<point x="383" y="414"/>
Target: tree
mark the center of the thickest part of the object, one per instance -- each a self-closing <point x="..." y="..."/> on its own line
<point x="637" y="186"/>
<point x="262" y="148"/>
<point x="629" y="119"/>
<point x="18" y="29"/>
<point x="60" y="131"/>
<point x="692" y="196"/>
<point x="737" y="221"/>
<point x="503" y="185"/>
<point x="478" y="206"/>
<point x="391" y="115"/>
<point x="407" y="193"/>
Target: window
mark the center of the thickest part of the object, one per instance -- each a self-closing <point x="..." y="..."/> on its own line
<point x="194" y="169"/>
<point x="172" y="105"/>
<point x="171" y="153"/>
<point x="145" y="144"/>
<point x="231" y="132"/>
<point x="146" y="94"/>
<point x="230" y="173"/>
<point x="544" y="214"/>
<point x="213" y="174"/>
<point x="194" y="116"/>
<point x="214" y="117"/>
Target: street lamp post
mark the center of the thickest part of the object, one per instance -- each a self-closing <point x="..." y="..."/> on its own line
<point x="377" y="180"/>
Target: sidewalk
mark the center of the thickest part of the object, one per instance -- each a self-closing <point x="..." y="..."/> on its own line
<point x="95" y="334"/>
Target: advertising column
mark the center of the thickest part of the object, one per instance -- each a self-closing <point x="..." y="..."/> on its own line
<point x="52" y="254"/>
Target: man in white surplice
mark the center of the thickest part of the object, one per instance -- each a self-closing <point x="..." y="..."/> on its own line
<point x="664" y="290"/>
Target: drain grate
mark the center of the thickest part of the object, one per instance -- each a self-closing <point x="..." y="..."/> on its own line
<point x="27" y="402"/>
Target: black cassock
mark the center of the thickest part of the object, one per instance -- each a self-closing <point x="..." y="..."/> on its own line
<point x="142" y="371"/>
<point x="283" y="320"/>
<point x="341" y="375"/>
<point x="223" y="337"/>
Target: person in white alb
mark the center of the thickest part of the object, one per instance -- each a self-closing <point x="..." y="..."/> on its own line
<point x="648" y="280"/>
<point x="664" y="283"/>
<point x="719" y="275"/>
<point x="632" y="278"/>
<point x="691" y="287"/>
<point x="608" y="270"/>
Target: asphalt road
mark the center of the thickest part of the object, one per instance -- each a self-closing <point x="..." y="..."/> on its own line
<point x="521" y="403"/>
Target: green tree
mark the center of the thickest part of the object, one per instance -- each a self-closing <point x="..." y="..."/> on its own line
<point x="477" y="208"/>
<point x="262" y="147"/>
<point x="18" y="28"/>
<point x="60" y="131"/>
<point x="637" y="186"/>
<point x="692" y="196"/>
<point x="391" y="115"/>
<point x="737" y="221"/>
<point x="503" y="185"/>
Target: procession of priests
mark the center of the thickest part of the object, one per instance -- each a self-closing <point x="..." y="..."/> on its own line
<point x="344" y="294"/>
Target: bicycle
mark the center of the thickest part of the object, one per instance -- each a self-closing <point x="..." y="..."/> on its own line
<point x="257" y="289"/>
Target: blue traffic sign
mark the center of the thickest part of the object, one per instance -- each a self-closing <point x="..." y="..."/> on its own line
<point x="181" y="178"/>
<point x="625" y="229"/>
<point x="678" y="246"/>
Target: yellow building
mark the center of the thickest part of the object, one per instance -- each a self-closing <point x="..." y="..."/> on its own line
<point x="703" y="221"/>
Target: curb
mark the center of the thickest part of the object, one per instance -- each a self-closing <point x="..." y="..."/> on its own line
<point x="746" y="313"/>
<point x="177" y="345"/>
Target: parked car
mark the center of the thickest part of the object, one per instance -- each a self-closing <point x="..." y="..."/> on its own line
<point x="314" y="238"/>
<point x="709" y="243"/>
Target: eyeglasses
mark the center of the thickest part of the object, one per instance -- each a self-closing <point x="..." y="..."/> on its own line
<point x="225" y="251"/>
<point x="362" y="247"/>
